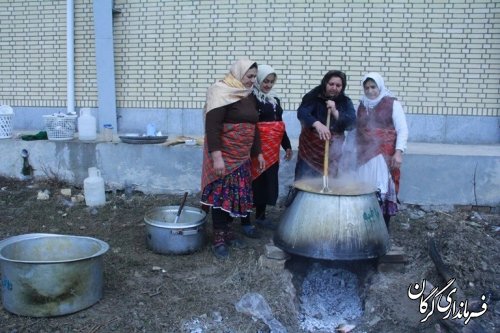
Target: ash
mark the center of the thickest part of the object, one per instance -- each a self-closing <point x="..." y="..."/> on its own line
<point x="329" y="298"/>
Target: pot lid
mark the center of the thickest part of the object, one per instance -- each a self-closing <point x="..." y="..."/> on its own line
<point x="164" y="217"/>
<point x="336" y="186"/>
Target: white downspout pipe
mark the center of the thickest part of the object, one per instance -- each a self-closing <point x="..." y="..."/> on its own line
<point x="70" y="56"/>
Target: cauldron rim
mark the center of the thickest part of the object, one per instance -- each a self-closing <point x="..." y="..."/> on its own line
<point x="334" y="189"/>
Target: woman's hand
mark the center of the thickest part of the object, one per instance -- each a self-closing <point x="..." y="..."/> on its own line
<point x="323" y="131"/>
<point x="288" y="154"/>
<point x="262" y="162"/>
<point x="397" y="159"/>
<point x="219" y="165"/>
<point x="332" y="107"/>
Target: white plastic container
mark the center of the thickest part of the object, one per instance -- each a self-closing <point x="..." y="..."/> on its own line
<point x="93" y="188"/>
<point x="87" y="126"/>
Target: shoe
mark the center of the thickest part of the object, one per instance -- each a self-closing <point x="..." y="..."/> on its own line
<point x="266" y="224"/>
<point x="220" y="251"/>
<point x="237" y="243"/>
<point x="231" y="240"/>
<point x="250" y="231"/>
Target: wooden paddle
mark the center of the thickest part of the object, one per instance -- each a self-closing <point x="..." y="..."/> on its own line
<point x="326" y="157"/>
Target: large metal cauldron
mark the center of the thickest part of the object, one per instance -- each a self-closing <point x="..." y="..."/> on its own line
<point x="344" y="223"/>
<point x="46" y="275"/>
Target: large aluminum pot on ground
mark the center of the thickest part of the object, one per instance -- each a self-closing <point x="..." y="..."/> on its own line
<point x="45" y="275"/>
<point x="165" y="236"/>
<point x="344" y="222"/>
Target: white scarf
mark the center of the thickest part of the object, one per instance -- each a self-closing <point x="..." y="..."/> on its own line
<point x="270" y="97"/>
<point x="379" y="81"/>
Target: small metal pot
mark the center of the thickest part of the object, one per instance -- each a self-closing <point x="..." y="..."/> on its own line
<point x="165" y="236"/>
<point x="46" y="275"/>
<point x="344" y="223"/>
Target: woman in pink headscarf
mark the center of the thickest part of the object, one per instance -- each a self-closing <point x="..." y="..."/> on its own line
<point x="231" y="139"/>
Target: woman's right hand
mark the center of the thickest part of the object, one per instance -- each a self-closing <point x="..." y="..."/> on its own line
<point x="219" y="165"/>
<point x="323" y="131"/>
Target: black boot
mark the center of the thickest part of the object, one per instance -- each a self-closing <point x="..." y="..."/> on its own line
<point x="248" y="229"/>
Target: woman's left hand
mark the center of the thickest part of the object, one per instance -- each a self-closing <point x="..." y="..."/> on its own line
<point x="288" y="154"/>
<point x="332" y="107"/>
<point x="262" y="162"/>
<point x="397" y="159"/>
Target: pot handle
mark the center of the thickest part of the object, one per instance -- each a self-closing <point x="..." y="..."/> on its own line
<point x="185" y="232"/>
<point x="292" y="193"/>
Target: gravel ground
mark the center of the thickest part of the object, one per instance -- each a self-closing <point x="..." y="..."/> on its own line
<point x="148" y="292"/>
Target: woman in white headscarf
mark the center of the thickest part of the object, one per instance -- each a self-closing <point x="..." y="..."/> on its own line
<point x="272" y="135"/>
<point x="231" y="138"/>
<point x="381" y="137"/>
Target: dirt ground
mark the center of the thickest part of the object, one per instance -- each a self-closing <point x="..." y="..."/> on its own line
<point x="148" y="292"/>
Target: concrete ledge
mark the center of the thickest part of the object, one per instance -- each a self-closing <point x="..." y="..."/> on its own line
<point x="432" y="174"/>
<point x="482" y="130"/>
<point x="444" y="174"/>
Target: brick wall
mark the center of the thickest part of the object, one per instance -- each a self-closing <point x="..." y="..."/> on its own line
<point x="438" y="57"/>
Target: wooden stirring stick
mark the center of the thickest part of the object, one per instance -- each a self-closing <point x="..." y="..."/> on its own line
<point x="326" y="157"/>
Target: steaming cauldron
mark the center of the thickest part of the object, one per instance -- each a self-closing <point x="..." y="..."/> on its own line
<point x="342" y="223"/>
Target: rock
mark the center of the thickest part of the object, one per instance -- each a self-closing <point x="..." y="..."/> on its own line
<point x="416" y="214"/>
<point x="473" y="224"/>
<point x="374" y="321"/>
<point x="272" y="264"/>
<point x="66" y="192"/>
<point x="273" y="252"/>
<point x="78" y="198"/>
<point x="217" y="317"/>
<point x="404" y="226"/>
<point x="344" y="328"/>
<point x="395" y="255"/>
<point x="43" y="195"/>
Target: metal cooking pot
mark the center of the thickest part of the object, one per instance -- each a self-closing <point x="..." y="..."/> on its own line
<point x="345" y="223"/>
<point x="165" y="236"/>
<point x="47" y="275"/>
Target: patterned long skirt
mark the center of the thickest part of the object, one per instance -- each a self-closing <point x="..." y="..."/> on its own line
<point x="232" y="193"/>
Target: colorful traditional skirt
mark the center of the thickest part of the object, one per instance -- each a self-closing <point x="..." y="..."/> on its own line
<point x="231" y="193"/>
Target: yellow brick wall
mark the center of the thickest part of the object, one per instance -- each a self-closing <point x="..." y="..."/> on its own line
<point x="438" y="57"/>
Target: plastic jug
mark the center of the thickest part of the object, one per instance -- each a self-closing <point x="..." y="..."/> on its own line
<point x="87" y="126"/>
<point x="93" y="188"/>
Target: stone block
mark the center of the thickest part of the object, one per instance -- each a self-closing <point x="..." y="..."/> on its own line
<point x="272" y="264"/>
